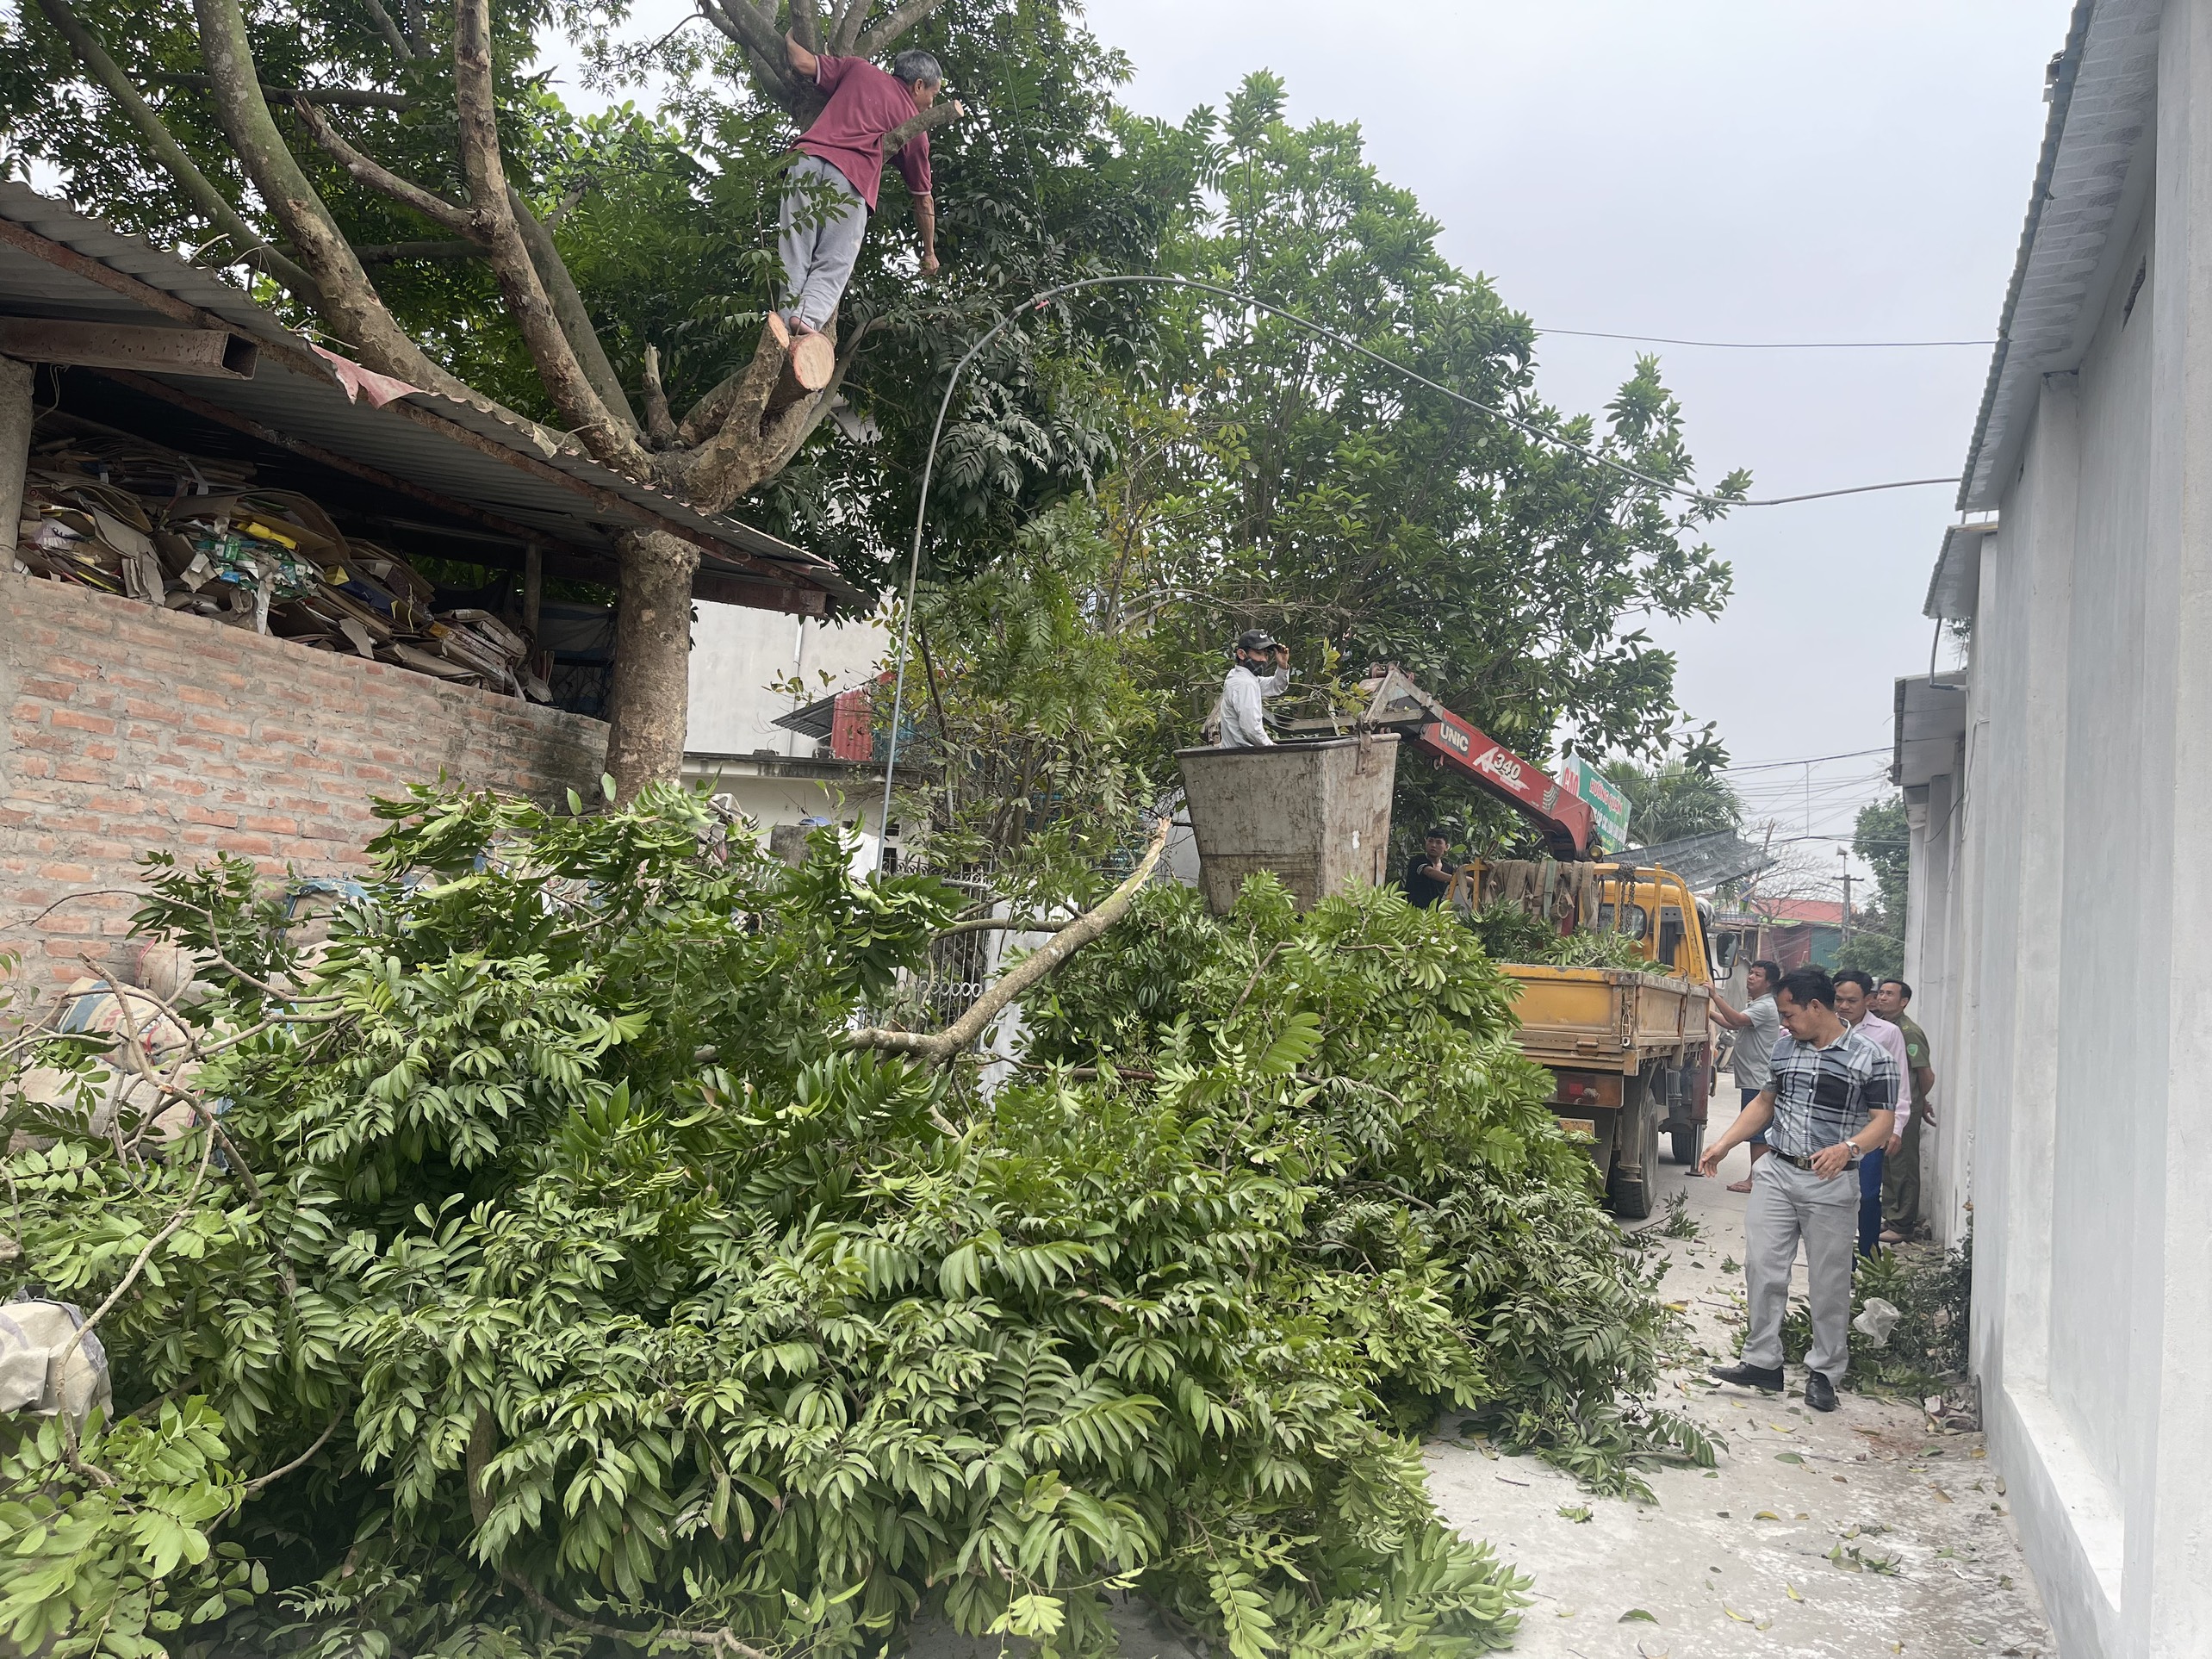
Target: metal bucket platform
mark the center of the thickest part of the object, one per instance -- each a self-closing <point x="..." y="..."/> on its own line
<point x="1316" y="814"/>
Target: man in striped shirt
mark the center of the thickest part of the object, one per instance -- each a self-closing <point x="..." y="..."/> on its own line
<point x="1830" y="1101"/>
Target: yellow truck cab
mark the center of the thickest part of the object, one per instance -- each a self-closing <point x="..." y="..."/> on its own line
<point x="1630" y="1052"/>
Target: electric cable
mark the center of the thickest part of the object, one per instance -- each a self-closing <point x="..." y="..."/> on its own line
<point x="1766" y="345"/>
<point x="1038" y="300"/>
<point x="1810" y="760"/>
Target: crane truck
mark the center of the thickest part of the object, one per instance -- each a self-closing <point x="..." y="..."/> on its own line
<point x="1630" y="1054"/>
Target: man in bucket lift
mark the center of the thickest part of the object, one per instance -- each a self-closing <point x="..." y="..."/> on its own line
<point x="1262" y="668"/>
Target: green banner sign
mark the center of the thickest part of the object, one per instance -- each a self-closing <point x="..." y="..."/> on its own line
<point x="1608" y="807"/>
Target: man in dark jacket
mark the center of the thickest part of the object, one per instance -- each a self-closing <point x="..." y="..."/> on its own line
<point x="1428" y="873"/>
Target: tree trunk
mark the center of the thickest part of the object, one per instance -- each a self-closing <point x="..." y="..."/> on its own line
<point x="652" y="661"/>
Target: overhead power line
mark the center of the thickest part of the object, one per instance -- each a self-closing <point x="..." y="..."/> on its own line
<point x="1768" y="346"/>
<point x="1809" y="759"/>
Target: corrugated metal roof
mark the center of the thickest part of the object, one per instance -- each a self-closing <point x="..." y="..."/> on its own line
<point x="1954" y="585"/>
<point x="2102" y="97"/>
<point x="473" y="453"/>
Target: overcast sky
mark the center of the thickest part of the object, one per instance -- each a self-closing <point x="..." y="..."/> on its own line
<point x="1725" y="170"/>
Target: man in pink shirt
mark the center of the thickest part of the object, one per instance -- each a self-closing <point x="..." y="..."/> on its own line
<point x="833" y="182"/>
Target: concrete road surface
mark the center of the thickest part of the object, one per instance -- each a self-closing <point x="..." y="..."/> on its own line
<point x="1738" y="1561"/>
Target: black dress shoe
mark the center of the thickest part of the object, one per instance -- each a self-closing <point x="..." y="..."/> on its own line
<point x="1819" y="1392"/>
<point x="1752" y="1376"/>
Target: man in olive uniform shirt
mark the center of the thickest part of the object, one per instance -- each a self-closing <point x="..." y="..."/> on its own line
<point x="1901" y="1171"/>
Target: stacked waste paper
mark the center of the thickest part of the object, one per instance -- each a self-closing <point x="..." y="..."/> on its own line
<point x="195" y="535"/>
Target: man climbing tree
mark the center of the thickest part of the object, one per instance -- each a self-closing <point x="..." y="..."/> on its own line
<point x="831" y="192"/>
<point x="255" y="126"/>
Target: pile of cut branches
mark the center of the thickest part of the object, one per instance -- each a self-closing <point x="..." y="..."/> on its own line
<point x="553" y="1262"/>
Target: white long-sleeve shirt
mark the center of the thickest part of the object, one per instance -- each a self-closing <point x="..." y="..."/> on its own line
<point x="1239" y="714"/>
<point x="1892" y="1042"/>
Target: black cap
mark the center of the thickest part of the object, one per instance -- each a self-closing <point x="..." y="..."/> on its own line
<point x="1255" y="639"/>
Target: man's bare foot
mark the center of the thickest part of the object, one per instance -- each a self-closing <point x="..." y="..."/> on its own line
<point x="1891" y="1235"/>
<point x="1743" y="1185"/>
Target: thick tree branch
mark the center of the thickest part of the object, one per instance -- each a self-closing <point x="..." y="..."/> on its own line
<point x="610" y="438"/>
<point x="569" y="307"/>
<point x="412" y="26"/>
<point x="806" y="24"/>
<point x="344" y="297"/>
<point x="385" y="253"/>
<point x="960" y="1036"/>
<point x="379" y="177"/>
<point x="334" y="97"/>
<point x="390" y="30"/>
<point x="248" y="244"/>
<point x="659" y="424"/>
<point x="845" y="24"/>
<point x="745" y="443"/>
<point x="763" y="46"/>
<point x="921" y="120"/>
<point x="903" y="17"/>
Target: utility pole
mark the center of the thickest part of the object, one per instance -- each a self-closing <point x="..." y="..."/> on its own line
<point x="1847" y="904"/>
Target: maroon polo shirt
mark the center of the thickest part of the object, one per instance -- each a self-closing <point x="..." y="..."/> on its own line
<point x="865" y="105"/>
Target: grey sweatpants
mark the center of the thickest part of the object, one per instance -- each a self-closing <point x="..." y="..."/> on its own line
<point x="1788" y="1203"/>
<point x="819" y="229"/>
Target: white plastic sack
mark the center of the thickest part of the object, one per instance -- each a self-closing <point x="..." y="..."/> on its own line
<point x="1876" y="1321"/>
<point x="33" y="1334"/>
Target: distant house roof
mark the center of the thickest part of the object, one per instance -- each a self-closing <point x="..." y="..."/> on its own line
<point x="1819" y="911"/>
<point x="515" y="482"/>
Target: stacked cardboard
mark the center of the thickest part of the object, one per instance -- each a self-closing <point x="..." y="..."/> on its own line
<point x="194" y="535"/>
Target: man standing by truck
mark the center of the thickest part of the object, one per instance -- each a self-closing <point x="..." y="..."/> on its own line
<point x="1831" y="1101"/>
<point x="1760" y="1027"/>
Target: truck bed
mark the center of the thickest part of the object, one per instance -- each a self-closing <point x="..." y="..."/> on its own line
<point x="1605" y="1020"/>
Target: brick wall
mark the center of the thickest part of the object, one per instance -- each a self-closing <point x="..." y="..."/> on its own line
<point x="132" y="729"/>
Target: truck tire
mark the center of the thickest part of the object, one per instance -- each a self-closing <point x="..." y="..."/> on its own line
<point x="1633" y="1186"/>
<point x="1685" y="1133"/>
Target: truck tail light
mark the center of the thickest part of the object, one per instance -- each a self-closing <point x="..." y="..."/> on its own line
<point x="1586" y="1089"/>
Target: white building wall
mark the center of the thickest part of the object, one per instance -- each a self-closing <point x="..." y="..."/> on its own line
<point x="741" y="660"/>
<point x="739" y="655"/>
<point x="2063" y="891"/>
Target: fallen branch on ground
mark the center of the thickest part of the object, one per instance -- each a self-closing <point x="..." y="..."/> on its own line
<point x="958" y="1037"/>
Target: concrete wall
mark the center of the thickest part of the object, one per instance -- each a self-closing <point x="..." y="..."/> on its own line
<point x="2063" y="891"/>
<point x="737" y="655"/>
<point x="132" y="729"/>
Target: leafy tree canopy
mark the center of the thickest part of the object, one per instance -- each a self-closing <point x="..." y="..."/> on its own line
<point x="1365" y="518"/>
<point x="1882" y="838"/>
<point x="540" y="1268"/>
<point x="1672" y="800"/>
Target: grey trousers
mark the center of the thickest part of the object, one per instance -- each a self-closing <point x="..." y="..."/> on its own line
<point x="819" y="229"/>
<point x="1788" y="1203"/>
